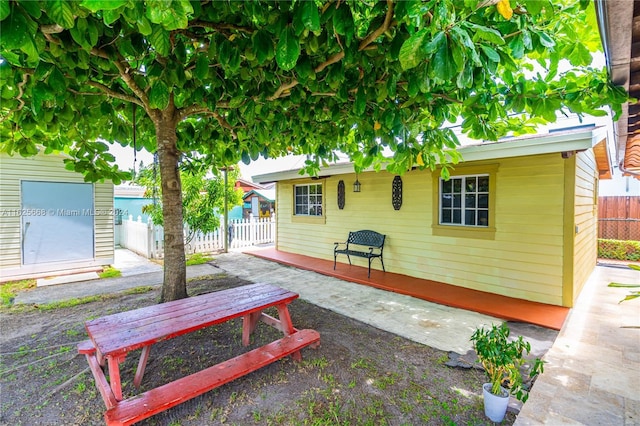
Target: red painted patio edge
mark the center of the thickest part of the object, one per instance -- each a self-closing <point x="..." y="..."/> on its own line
<point x="507" y="308"/>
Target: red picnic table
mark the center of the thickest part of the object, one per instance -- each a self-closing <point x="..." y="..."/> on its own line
<point x="112" y="337"/>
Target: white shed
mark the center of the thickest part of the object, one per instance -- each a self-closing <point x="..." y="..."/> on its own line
<point x="51" y="221"/>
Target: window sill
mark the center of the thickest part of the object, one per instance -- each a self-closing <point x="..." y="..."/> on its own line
<point x="320" y="220"/>
<point x="488" y="233"/>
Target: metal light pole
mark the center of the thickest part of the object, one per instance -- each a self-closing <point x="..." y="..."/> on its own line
<point x="226" y="213"/>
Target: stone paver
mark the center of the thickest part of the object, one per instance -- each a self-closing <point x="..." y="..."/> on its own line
<point x="592" y="375"/>
<point x="438" y="326"/>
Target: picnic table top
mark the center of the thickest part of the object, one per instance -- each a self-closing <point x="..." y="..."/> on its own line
<point x="123" y="332"/>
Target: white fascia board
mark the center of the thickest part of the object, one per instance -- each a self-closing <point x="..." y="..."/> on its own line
<point x="334" y="169"/>
<point x="575" y="140"/>
<point x="578" y="140"/>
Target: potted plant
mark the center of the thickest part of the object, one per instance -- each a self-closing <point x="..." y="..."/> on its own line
<point x="503" y="361"/>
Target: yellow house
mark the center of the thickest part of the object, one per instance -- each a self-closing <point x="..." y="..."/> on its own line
<point x="51" y="221"/>
<point x="517" y="218"/>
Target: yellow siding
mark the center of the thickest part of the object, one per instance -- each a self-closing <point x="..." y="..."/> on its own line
<point x="523" y="260"/>
<point x="585" y="246"/>
<point x="14" y="169"/>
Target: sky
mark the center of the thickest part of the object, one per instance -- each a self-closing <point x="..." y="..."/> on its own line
<point x="125" y="160"/>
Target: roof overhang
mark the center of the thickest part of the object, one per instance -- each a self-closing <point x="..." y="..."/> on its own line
<point x="567" y="142"/>
<point x="619" y="23"/>
<point x="267" y="194"/>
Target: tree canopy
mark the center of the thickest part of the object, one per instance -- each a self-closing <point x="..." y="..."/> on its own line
<point x="215" y="82"/>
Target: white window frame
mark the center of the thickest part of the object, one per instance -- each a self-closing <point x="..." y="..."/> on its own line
<point x="464" y="195"/>
<point x="311" y="204"/>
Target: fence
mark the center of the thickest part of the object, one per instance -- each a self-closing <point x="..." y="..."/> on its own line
<point x="147" y="239"/>
<point x="619" y="218"/>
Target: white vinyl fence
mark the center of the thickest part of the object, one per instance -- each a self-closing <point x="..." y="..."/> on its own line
<point x="147" y="239"/>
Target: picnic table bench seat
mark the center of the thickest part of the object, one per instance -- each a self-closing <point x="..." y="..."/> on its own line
<point x="374" y="241"/>
<point x="171" y="394"/>
<point x="112" y="337"/>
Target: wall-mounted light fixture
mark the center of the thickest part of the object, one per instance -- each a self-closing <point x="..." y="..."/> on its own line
<point x="356" y="185"/>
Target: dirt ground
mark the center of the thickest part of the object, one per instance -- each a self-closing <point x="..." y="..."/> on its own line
<point x="359" y="375"/>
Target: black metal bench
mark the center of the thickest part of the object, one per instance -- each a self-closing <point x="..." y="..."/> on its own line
<point x="371" y="239"/>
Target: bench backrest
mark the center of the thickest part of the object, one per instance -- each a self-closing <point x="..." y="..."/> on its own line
<point x="366" y="238"/>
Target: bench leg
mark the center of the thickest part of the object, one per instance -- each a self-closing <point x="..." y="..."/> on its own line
<point x="249" y="323"/>
<point x="287" y="327"/>
<point x="369" y="276"/>
<point x="142" y="364"/>
<point x="114" y="375"/>
<point x="101" y="381"/>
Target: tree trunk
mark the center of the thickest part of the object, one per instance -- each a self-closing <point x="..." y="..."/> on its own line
<point x="175" y="273"/>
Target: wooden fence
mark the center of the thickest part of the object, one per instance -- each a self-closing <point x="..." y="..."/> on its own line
<point x="147" y="239"/>
<point x="619" y="218"/>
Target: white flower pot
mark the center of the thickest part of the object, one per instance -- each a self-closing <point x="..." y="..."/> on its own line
<point x="495" y="406"/>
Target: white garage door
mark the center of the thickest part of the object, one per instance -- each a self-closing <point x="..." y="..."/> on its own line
<point x="57" y="222"/>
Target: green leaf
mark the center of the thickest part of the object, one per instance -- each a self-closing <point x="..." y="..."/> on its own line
<point x="443" y="64"/>
<point x="465" y="78"/>
<point x="32" y="7"/>
<point x="310" y="15"/>
<point x="545" y="40"/>
<point x="245" y="158"/>
<point x="57" y="81"/>
<point x="288" y="49"/>
<point x="160" y="40"/>
<point x="15" y="32"/>
<point x="144" y="26"/>
<point x="234" y="59"/>
<point x="96" y="5"/>
<point x="159" y="95"/>
<point x="580" y="55"/>
<point x="534" y="7"/>
<point x="172" y="15"/>
<point x="436" y="43"/>
<point x="343" y="21"/>
<point x="517" y="47"/>
<point x="110" y="16"/>
<point x="41" y="93"/>
<point x="412" y="51"/>
<point x="262" y="46"/>
<point x="5" y="9"/>
<point x="360" y="103"/>
<point x="491" y="53"/>
<point x="202" y="67"/>
<point x="303" y="68"/>
<point x="487" y="34"/>
<point x="526" y="40"/>
<point x="78" y="33"/>
<point x="60" y="11"/>
<point x="623" y="285"/>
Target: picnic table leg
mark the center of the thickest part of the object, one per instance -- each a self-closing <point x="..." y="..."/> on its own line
<point x="144" y="356"/>
<point x="287" y="327"/>
<point x="114" y="375"/>
<point x="249" y="323"/>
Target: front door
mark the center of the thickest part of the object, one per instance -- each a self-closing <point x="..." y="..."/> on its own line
<point x="57" y="222"/>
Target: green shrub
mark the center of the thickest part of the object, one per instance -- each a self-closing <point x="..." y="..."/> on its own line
<point x="618" y="249"/>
